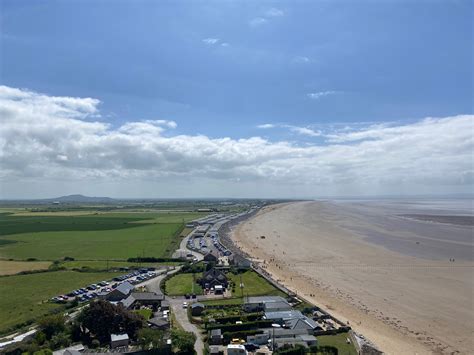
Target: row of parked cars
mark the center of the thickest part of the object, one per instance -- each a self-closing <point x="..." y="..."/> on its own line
<point x="92" y="291"/>
<point x="219" y="246"/>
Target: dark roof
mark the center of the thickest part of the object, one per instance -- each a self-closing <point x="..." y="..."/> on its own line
<point x="214" y="274"/>
<point x="216" y="332"/>
<point x="197" y="305"/>
<point x="125" y="287"/>
<point x="158" y="321"/>
<point x="147" y="296"/>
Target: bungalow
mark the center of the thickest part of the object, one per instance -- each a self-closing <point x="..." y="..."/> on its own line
<point x="138" y="299"/>
<point x="213" y="277"/>
<point x="266" y="303"/>
<point x="117" y="340"/>
<point x="197" y="309"/>
<point x="120" y="292"/>
<point x="158" y="323"/>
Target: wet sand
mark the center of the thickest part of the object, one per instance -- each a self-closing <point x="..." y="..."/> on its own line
<point x="405" y="302"/>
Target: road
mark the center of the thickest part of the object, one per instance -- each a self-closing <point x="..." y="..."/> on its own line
<point x="181" y="316"/>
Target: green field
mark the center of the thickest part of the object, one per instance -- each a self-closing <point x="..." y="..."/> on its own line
<point x="24" y="297"/>
<point x="182" y="284"/>
<point x="339" y="342"/>
<point x="254" y="285"/>
<point x="95" y="236"/>
<point x="111" y="264"/>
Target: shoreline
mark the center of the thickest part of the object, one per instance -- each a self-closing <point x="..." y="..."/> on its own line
<point x="389" y="333"/>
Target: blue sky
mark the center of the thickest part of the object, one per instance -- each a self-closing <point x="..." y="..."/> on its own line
<point x="224" y="68"/>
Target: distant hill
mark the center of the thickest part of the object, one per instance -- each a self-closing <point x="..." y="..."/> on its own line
<point x="82" y="199"/>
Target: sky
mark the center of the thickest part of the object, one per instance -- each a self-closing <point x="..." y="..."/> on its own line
<point x="290" y="99"/>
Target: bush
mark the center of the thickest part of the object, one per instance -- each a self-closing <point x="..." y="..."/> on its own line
<point x="52" y="325"/>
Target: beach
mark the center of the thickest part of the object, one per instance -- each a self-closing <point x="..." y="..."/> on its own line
<point x="405" y="283"/>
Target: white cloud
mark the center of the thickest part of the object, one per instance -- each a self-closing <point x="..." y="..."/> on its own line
<point x="258" y="21"/>
<point x="52" y="139"/>
<point x="274" y="12"/>
<point x="301" y="59"/>
<point x="266" y="126"/>
<point x="211" y="41"/>
<point x="225" y="44"/>
<point x="318" y="95"/>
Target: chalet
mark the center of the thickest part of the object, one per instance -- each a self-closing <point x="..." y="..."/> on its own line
<point x="212" y="278"/>
<point x="121" y="292"/>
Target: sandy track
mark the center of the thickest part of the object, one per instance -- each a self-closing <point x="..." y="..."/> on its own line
<point x="405" y="305"/>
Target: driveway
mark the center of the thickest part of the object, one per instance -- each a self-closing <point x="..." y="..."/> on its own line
<point x="181" y="315"/>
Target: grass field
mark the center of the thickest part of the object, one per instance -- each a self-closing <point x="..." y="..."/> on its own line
<point x="182" y="284"/>
<point x="147" y="240"/>
<point x="145" y="313"/>
<point x="111" y="264"/>
<point x="254" y="285"/>
<point x="339" y="342"/>
<point x="24" y="297"/>
<point x="14" y="267"/>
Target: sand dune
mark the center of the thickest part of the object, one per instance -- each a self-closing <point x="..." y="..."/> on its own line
<point x="404" y="304"/>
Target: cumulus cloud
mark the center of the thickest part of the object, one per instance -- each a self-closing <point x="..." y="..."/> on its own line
<point x="46" y="138"/>
<point x="304" y="131"/>
<point x="266" y="125"/>
<point x="318" y="95"/>
<point x="257" y="21"/>
<point x="274" y="12"/>
<point x="211" y="41"/>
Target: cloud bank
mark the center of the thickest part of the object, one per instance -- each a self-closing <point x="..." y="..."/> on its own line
<point x="46" y="138"/>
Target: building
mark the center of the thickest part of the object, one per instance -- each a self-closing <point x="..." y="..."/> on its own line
<point x="210" y="258"/>
<point x="137" y="299"/>
<point x="266" y="304"/>
<point x="117" y="340"/>
<point x="158" y="323"/>
<point x="240" y="262"/>
<point x="197" y="309"/>
<point x="121" y="292"/>
<point x="216" y="337"/>
<point x="213" y="277"/>
<point x="259" y="339"/>
<point x="165" y="305"/>
<point x="302" y="323"/>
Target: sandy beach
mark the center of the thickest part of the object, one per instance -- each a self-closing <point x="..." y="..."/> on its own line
<point x="408" y="300"/>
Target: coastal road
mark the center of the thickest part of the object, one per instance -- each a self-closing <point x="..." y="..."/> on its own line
<point x="181" y="315"/>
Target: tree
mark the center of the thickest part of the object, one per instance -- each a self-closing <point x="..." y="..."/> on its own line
<point x="151" y="339"/>
<point x="184" y="341"/>
<point x="51" y="325"/>
<point x="103" y="318"/>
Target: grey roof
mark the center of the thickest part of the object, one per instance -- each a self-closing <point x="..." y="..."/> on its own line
<point x="158" y="321"/>
<point x="116" y="337"/>
<point x="307" y="338"/>
<point x="269" y="306"/>
<point x="216" y="332"/>
<point x="305" y="322"/>
<point x="197" y="305"/>
<point x="285" y="315"/>
<point x="147" y="296"/>
<point x="265" y="299"/>
<point x="285" y="332"/>
<point x="128" y="301"/>
<point x="125" y="288"/>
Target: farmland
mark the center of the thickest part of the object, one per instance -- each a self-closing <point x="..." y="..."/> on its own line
<point x="8" y="267"/>
<point x="24" y="297"/>
<point x="115" y="235"/>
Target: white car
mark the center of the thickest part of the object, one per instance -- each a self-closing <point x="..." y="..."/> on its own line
<point x="185" y="304"/>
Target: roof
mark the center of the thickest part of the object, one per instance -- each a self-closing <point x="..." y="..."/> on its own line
<point x="197" y="305"/>
<point x="285" y="315"/>
<point x="305" y="322"/>
<point x="125" y="287"/>
<point x="117" y="337"/>
<point x="216" y="332"/>
<point x="269" y="306"/>
<point x="158" y="321"/>
<point x="128" y="301"/>
<point x="265" y="299"/>
<point x="307" y="338"/>
<point x="147" y="296"/>
<point x="214" y="274"/>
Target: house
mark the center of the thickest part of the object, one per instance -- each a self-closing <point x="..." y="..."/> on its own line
<point x="304" y="340"/>
<point x="216" y="337"/>
<point x="137" y="299"/>
<point x="120" y="292"/>
<point x="158" y="323"/>
<point x="259" y="339"/>
<point x="117" y="340"/>
<point x="214" y="277"/>
<point x="302" y="323"/>
<point x="284" y="315"/>
<point x="210" y="258"/>
<point x="197" y="309"/>
<point x="266" y="303"/>
<point x="165" y="305"/>
<point x="240" y="262"/>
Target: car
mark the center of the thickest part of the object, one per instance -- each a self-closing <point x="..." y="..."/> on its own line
<point x="185" y="304"/>
<point x="251" y="347"/>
